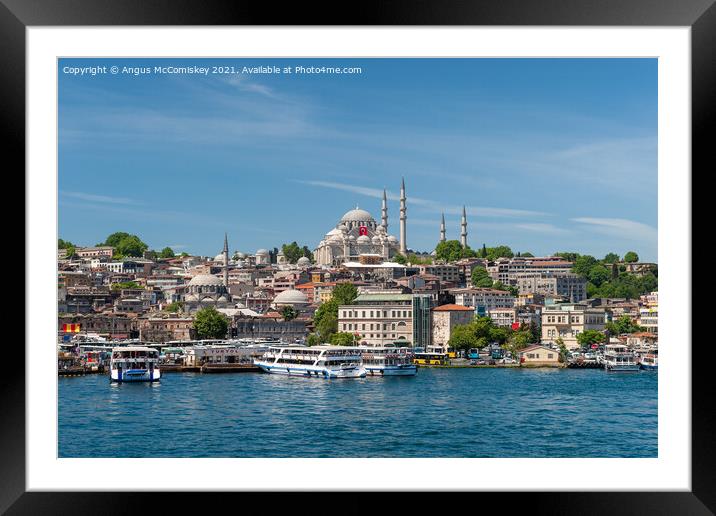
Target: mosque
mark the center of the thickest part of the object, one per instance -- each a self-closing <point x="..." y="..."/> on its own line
<point x="357" y="233"/>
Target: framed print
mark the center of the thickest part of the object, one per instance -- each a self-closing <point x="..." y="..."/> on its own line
<point x="422" y="249"/>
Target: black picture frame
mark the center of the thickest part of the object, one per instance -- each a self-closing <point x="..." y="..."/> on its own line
<point x="699" y="15"/>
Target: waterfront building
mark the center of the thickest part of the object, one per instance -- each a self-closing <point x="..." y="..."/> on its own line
<point x="649" y="318"/>
<point x="107" y="325"/>
<point x="163" y="327"/>
<point x="537" y="355"/>
<point x="643" y="340"/>
<point x="484" y="299"/>
<point x="379" y="319"/>
<point x="247" y="327"/>
<point x="566" y="321"/>
<point x="422" y="320"/>
<point x="560" y="284"/>
<point x="445" y="318"/>
<point x="504" y="317"/>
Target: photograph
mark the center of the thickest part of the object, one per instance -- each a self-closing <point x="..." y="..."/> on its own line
<point x="358" y="257"/>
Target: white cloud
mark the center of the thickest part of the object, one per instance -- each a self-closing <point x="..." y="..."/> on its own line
<point x="620" y="228"/>
<point x="97" y="198"/>
<point x="429" y="205"/>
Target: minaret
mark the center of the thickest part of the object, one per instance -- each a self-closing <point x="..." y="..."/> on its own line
<point x="403" y="246"/>
<point x="442" y="229"/>
<point x="384" y="212"/>
<point x="226" y="261"/>
<point x="463" y="233"/>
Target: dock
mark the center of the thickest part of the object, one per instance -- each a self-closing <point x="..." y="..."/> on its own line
<point x="230" y="368"/>
<point x="585" y="364"/>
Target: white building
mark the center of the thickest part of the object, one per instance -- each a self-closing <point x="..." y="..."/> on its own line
<point x="567" y="321"/>
<point x="485" y="298"/>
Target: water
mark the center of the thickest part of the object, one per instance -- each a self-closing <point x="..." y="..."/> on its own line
<point x="438" y="413"/>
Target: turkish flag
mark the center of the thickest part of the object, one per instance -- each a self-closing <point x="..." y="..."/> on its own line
<point x="515" y="326"/>
<point x="363" y="230"/>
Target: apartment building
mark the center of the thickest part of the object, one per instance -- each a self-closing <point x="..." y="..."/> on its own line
<point x="566" y="321"/>
<point x="483" y="298"/>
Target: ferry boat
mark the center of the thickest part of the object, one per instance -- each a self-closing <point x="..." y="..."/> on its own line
<point x="134" y="364"/>
<point x="650" y="362"/>
<point x="317" y="361"/>
<point x="617" y="357"/>
<point x="388" y="361"/>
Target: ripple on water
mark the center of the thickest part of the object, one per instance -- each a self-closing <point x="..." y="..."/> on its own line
<point x="438" y="413"/>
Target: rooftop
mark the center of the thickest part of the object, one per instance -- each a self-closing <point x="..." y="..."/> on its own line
<point x="453" y="308"/>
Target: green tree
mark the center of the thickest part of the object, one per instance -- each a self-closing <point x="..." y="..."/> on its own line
<point x="126" y="244"/>
<point x="517" y="341"/>
<point x="342" y="339"/>
<point x="399" y="258"/>
<point x="569" y="256"/>
<point x="480" y="277"/>
<point x="462" y="337"/>
<point x="125" y="284"/>
<point x="583" y="264"/>
<point x="167" y="252"/>
<point x="288" y="313"/>
<point x="501" y="251"/>
<point x="623" y="325"/>
<point x="313" y="340"/>
<point x="176" y="306"/>
<point x="611" y="258"/>
<point x="598" y="274"/>
<point x="631" y="257"/>
<point x="209" y="323"/>
<point x="448" y="251"/>
<point x="528" y="255"/>
<point x="589" y="337"/>
<point x="563" y="351"/>
<point x="69" y="247"/>
<point x="344" y="294"/>
<point x="327" y="326"/>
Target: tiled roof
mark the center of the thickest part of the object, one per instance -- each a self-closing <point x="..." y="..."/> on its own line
<point x="453" y="308"/>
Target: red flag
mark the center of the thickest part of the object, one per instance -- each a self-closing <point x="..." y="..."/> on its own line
<point x="515" y="326"/>
<point x="362" y="230"/>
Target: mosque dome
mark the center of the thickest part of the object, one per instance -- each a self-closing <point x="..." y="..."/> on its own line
<point x="205" y="280"/>
<point x="291" y="297"/>
<point x="363" y="239"/>
<point x="392" y="239"/>
<point x="376" y="240"/>
<point x="357" y="215"/>
<point x="262" y="252"/>
<point x="303" y="261"/>
<point x="240" y="256"/>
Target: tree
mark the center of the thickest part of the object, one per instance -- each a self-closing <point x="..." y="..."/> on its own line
<point x="528" y="255"/>
<point x="631" y="257"/>
<point x="501" y="251"/>
<point x="589" y="337"/>
<point x="448" y="251"/>
<point x="399" y="258"/>
<point x="292" y="252"/>
<point x="288" y="313"/>
<point x="611" y="258"/>
<point x="569" y="256"/>
<point x="563" y="351"/>
<point x="342" y="339"/>
<point x="478" y="333"/>
<point x="462" y="337"/>
<point x="583" y="264"/>
<point x="623" y="325"/>
<point x="69" y="247"/>
<point x="209" y="323"/>
<point x="344" y="293"/>
<point x="176" y="306"/>
<point x="480" y="277"/>
<point x="327" y="326"/>
<point x="167" y="252"/>
<point x="126" y="244"/>
<point x="313" y="340"/>
<point x="598" y="274"/>
<point x="517" y="341"/>
<point x="125" y="284"/>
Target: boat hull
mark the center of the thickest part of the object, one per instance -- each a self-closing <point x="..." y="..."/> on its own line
<point x="135" y="375"/>
<point x="407" y="370"/>
<point x="621" y="367"/>
<point x="648" y="367"/>
<point x="311" y="371"/>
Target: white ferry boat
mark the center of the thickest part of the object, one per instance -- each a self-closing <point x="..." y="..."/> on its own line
<point x="389" y="361"/>
<point x="617" y="357"/>
<point x="650" y="362"/>
<point x="318" y="361"/>
<point x="134" y="364"/>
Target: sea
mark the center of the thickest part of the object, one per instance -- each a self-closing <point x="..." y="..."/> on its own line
<point x="461" y="412"/>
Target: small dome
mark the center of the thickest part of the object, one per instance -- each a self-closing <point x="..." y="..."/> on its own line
<point x="380" y="229"/>
<point x="205" y="279"/>
<point x="262" y="252"/>
<point x="291" y="297"/>
<point x="352" y="238"/>
<point x="357" y="215"/>
<point x="363" y="239"/>
<point x="303" y="260"/>
<point x="342" y="228"/>
<point x="392" y="239"/>
<point x="241" y="256"/>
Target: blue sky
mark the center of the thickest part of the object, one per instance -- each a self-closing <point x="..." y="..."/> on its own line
<point x="547" y="154"/>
